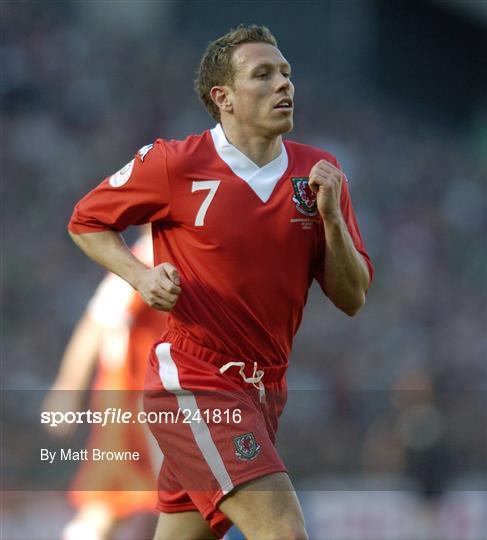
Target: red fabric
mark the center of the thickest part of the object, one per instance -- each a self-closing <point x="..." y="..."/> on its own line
<point x="245" y="273"/>
<point x="186" y="480"/>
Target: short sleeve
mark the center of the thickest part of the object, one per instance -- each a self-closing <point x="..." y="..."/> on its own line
<point x="353" y="229"/>
<point x="136" y="194"/>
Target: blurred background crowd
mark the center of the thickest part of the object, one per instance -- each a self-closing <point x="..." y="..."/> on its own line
<point x="391" y="401"/>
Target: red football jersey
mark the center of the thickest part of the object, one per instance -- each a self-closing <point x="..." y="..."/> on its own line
<point x="247" y="240"/>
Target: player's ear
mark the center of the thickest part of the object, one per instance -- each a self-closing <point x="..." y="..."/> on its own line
<point x="221" y="98"/>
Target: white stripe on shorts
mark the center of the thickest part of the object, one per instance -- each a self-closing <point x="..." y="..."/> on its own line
<point x="168" y="373"/>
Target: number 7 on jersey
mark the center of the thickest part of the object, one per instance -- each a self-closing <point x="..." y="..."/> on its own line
<point x="198" y="185"/>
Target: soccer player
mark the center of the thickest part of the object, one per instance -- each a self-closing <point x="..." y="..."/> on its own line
<point x="115" y="334"/>
<point x="242" y="221"/>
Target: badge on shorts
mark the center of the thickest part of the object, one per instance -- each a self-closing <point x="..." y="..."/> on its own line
<point x="246" y="447"/>
<point x="304" y="198"/>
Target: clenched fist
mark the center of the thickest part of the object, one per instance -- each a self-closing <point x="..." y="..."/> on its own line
<point x="326" y="181"/>
<point x="159" y="286"/>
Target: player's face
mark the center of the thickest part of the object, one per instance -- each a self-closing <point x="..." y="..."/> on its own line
<point x="262" y="94"/>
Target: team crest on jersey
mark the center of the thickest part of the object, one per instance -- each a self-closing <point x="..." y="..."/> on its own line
<point x="143" y="151"/>
<point x="246" y="447"/>
<point x="122" y="176"/>
<point x="304" y="198"/>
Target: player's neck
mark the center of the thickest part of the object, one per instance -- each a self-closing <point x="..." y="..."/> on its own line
<point x="258" y="148"/>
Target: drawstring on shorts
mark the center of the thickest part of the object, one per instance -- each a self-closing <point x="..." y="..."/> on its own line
<point x="255" y="380"/>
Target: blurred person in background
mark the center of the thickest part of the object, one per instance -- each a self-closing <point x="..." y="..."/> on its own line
<point x="421" y="427"/>
<point x="241" y="222"/>
<point x="114" y="336"/>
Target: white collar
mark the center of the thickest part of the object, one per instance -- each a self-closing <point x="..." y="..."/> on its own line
<point x="261" y="179"/>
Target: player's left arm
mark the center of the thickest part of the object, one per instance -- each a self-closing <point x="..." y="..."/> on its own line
<point x="346" y="273"/>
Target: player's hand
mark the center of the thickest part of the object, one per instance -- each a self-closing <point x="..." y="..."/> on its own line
<point x="326" y="181"/>
<point x="159" y="286"/>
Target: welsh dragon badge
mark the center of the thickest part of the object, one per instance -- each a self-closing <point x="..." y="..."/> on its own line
<point x="304" y="198"/>
<point x="246" y="447"/>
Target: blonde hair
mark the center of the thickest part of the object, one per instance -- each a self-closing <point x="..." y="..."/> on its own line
<point x="216" y="66"/>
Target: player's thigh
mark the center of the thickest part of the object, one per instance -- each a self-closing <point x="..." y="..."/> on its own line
<point x="267" y="507"/>
<point x="183" y="526"/>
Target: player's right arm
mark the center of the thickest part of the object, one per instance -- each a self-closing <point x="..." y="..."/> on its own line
<point x="159" y="286"/>
<point x="137" y="194"/>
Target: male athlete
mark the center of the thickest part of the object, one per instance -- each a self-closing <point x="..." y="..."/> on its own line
<point x="242" y="222"/>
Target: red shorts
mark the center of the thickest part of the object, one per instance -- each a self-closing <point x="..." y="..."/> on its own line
<point x="215" y="430"/>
